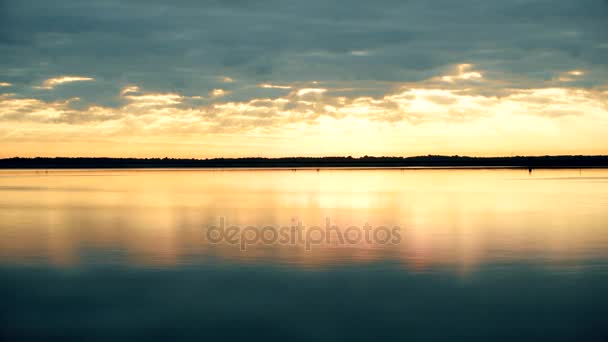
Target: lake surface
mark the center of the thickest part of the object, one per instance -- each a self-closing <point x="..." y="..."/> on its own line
<point x="472" y="255"/>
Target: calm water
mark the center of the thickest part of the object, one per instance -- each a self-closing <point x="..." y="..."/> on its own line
<point x="482" y="255"/>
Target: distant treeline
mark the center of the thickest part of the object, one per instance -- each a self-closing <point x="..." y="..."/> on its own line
<point x="297" y="162"/>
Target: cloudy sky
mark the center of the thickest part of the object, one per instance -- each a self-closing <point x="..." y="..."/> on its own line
<point x="201" y="78"/>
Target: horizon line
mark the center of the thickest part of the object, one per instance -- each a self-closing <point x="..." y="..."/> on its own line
<point x="429" y="161"/>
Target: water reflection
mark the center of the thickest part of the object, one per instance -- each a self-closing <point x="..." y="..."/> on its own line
<point x="460" y="219"/>
<point x="485" y="255"/>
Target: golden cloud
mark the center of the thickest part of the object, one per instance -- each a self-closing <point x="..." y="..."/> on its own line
<point x="516" y="117"/>
<point x="53" y="82"/>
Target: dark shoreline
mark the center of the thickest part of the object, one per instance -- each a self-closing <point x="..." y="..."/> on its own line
<point x="537" y="162"/>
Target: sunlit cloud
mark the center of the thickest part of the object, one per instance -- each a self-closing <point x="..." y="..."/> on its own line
<point x="129" y="89"/>
<point x="306" y="91"/>
<point x="5" y="84"/>
<point x="155" y="99"/>
<point x="576" y="72"/>
<point x="273" y="86"/>
<point x="53" y="82"/>
<point x="463" y="73"/>
<point x="414" y="106"/>
<point x="571" y="75"/>
<point x="218" y="92"/>
<point x="140" y="99"/>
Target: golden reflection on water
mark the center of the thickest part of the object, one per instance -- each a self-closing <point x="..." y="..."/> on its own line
<point x="448" y="218"/>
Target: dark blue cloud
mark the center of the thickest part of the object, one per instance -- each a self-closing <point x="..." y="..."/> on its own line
<point x="186" y="46"/>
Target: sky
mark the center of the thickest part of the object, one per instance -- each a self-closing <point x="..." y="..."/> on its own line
<point x="272" y="78"/>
